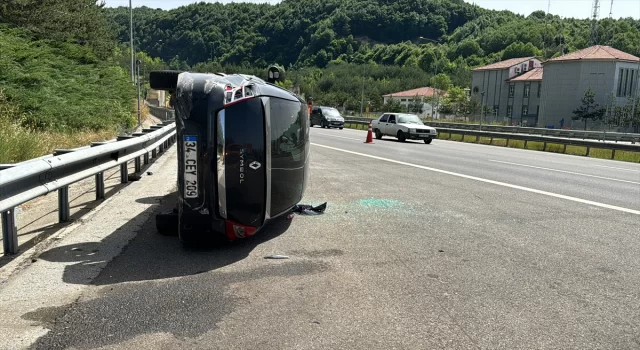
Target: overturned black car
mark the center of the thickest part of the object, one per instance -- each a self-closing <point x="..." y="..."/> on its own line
<point x="243" y="150"/>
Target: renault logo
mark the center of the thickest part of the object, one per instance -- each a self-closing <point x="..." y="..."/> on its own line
<point x="255" y="165"/>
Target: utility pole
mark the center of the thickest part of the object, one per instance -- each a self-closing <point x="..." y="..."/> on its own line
<point x="362" y="101"/>
<point x="131" y="39"/>
<point x="635" y="95"/>
<point x="611" y="10"/>
<point x="594" y="25"/>
<point x="435" y="79"/>
<point x="138" y="77"/>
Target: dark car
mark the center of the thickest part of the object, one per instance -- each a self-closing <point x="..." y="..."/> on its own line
<point x="243" y="150"/>
<point x="327" y="117"/>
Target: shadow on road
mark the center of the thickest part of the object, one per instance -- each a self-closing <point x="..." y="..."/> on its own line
<point x="150" y="256"/>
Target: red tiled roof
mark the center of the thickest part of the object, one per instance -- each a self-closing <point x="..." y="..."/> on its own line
<point x="532" y="75"/>
<point x="598" y="52"/>
<point x="424" y="91"/>
<point x="504" y="64"/>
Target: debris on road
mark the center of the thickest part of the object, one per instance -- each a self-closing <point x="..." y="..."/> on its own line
<point x="310" y="210"/>
<point x="149" y="172"/>
<point x="134" y="177"/>
<point x="276" y="257"/>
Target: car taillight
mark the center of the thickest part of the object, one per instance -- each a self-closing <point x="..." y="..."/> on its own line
<point x="238" y="231"/>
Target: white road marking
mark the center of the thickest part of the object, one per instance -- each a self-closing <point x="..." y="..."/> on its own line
<point x="341" y="137"/>
<point x="566" y="172"/>
<point x="504" y="184"/>
<point x="612" y="167"/>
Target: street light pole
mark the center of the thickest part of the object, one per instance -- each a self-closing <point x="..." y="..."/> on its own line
<point x="635" y="95"/>
<point x="362" y="101"/>
<point x="131" y="39"/>
<point x="138" y="77"/>
<point x="435" y="79"/>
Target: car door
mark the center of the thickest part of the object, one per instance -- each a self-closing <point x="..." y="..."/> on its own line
<point x="390" y="126"/>
<point x="316" y="116"/>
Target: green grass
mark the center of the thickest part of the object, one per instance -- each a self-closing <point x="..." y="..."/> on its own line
<point x="61" y="86"/>
<point x="626" y="156"/>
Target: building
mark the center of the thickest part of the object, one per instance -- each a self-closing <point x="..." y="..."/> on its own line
<point x="406" y="97"/>
<point x="510" y="90"/>
<point x="611" y="73"/>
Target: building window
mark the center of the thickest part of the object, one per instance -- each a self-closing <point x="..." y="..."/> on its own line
<point x="496" y="108"/>
<point x="527" y="89"/>
<point x="630" y="90"/>
<point x="404" y="100"/>
<point x="626" y="80"/>
<point x="619" y="94"/>
<point x="509" y="111"/>
<point x="525" y="110"/>
<point x="512" y="89"/>
<point x="539" y="89"/>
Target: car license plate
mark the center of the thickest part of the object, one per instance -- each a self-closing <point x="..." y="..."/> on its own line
<point x="423" y="135"/>
<point x="190" y="166"/>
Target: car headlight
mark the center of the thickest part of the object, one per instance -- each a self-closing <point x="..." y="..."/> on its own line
<point x="412" y="131"/>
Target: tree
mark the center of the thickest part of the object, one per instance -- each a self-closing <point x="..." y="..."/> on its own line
<point x="589" y="110"/>
<point x="441" y="82"/>
<point x="393" y="105"/>
<point x="519" y="49"/>
<point x="416" y="105"/>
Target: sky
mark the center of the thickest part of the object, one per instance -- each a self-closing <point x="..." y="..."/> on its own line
<point x="564" y="8"/>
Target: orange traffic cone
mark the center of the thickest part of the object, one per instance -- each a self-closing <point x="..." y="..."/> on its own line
<point x="370" y="133"/>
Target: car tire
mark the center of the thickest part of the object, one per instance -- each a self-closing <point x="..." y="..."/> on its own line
<point x="378" y="134"/>
<point x="164" y="79"/>
<point x="324" y="125"/>
<point x="167" y="223"/>
<point x="401" y="136"/>
<point x="342" y="127"/>
<point x="428" y="141"/>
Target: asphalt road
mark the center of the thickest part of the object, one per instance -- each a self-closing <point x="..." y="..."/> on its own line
<point x="441" y="246"/>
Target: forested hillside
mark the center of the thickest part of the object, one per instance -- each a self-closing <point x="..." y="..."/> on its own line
<point x="316" y="32"/>
<point x="329" y="46"/>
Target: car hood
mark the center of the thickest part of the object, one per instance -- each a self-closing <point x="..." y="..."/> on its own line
<point x="340" y="119"/>
<point x="417" y="126"/>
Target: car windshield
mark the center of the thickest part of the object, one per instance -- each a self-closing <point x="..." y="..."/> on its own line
<point x="330" y="112"/>
<point x="410" y="119"/>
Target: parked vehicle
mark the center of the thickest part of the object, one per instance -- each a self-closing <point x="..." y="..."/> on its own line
<point x="327" y="117"/>
<point x="404" y="127"/>
<point x="243" y="147"/>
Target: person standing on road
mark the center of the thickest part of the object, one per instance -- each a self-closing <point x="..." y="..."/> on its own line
<point x="561" y="123"/>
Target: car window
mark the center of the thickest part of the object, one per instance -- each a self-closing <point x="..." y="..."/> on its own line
<point x="384" y="118"/>
<point x="392" y="118"/>
<point x="410" y="119"/>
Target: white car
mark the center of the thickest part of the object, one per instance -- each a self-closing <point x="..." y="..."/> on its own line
<point x="403" y="126"/>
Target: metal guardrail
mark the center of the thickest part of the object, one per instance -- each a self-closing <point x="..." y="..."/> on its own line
<point x="572" y="134"/>
<point x="546" y="140"/>
<point x="165" y="114"/>
<point x="22" y="182"/>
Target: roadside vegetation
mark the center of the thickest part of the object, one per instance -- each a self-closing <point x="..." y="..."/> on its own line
<point x="60" y="86"/>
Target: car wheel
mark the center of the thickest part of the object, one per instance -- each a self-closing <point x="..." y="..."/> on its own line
<point x="167" y="223"/>
<point x="324" y="125"/>
<point x="428" y="141"/>
<point x="378" y="134"/>
<point x="401" y="136"/>
<point x="341" y="128"/>
<point x="311" y="125"/>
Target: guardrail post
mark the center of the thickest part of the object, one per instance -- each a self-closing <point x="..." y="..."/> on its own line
<point x="9" y="232"/>
<point x="525" y="143"/>
<point x="63" y="204"/>
<point x="99" y="186"/>
<point x="564" y="149"/>
<point x="588" y="151"/>
<point x="154" y="153"/>
<point x="138" y="165"/>
<point x="545" y="147"/>
<point x="146" y="158"/>
<point x="124" y="173"/>
<point x="613" y="154"/>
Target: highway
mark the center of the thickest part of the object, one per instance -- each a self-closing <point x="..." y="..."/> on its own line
<point x="441" y="246"/>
